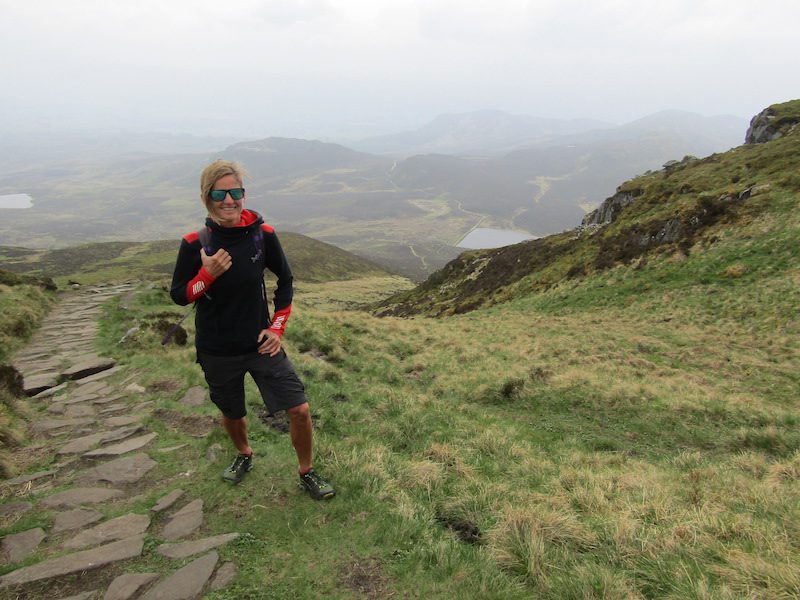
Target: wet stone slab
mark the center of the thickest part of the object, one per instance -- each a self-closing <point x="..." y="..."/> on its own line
<point x="19" y="545"/>
<point x="76" y="562"/>
<point x="126" y="586"/>
<point x="122" y="447"/>
<point x="186" y="583"/>
<point x="186" y="549"/>
<point x="75" y="519"/>
<point x="77" y="496"/>
<point x="115" y="529"/>
<point x="184" y="522"/>
<point x="128" y="469"/>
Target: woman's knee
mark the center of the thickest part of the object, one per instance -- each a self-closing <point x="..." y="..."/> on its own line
<point x="299" y="413"/>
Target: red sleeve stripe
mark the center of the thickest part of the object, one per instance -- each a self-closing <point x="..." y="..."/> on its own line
<point x="267" y="228"/>
<point x="199" y="285"/>
<point x="191" y="237"/>
<point x="278" y="324"/>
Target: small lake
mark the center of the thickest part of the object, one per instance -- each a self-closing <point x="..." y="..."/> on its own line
<point x="482" y="238"/>
<point x="16" y="201"/>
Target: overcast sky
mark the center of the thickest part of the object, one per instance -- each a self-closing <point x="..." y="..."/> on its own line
<point x="327" y="68"/>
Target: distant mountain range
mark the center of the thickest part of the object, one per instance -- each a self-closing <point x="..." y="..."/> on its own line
<point x="407" y="214"/>
<point x="475" y="133"/>
<point x="490" y="132"/>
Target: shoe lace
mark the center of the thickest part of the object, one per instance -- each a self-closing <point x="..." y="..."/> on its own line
<point x="314" y="479"/>
<point x="238" y="462"/>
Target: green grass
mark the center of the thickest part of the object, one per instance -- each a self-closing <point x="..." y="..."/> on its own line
<point x="590" y="448"/>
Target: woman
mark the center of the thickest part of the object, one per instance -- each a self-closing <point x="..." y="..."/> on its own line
<point x="221" y="270"/>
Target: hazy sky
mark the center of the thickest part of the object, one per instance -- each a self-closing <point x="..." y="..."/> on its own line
<point x="321" y="68"/>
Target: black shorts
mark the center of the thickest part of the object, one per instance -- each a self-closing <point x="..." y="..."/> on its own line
<point x="280" y="387"/>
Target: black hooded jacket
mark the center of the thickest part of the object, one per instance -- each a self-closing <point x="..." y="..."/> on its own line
<point x="231" y="309"/>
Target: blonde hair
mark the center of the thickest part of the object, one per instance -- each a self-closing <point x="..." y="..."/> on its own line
<point x="216" y="171"/>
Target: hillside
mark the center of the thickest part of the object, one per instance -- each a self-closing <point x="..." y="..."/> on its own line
<point x="407" y="215"/>
<point x="621" y="423"/>
<point x="311" y="260"/>
<point x="678" y="216"/>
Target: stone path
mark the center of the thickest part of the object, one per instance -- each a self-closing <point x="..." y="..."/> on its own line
<point x="81" y="413"/>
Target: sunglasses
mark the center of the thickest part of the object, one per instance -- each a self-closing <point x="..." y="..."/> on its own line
<point x="220" y="195"/>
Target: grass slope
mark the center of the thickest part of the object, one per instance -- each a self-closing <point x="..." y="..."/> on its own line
<point x="311" y="260"/>
<point x="614" y="437"/>
<point x="629" y="432"/>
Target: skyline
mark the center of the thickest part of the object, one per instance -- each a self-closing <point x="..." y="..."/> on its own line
<point x="350" y="69"/>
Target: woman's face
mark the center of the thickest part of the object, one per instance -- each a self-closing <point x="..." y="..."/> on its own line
<point x="227" y="213"/>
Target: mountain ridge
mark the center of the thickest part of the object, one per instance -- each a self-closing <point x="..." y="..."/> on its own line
<point x="688" y="202"/>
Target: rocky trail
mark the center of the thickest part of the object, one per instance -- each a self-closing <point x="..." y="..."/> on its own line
<point x="87" y="414"/>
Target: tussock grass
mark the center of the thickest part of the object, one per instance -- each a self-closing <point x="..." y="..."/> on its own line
<point x="617" y="436"/>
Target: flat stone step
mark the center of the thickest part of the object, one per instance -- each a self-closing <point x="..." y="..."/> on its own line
<point x="186" y="549"/>
<point x="19" y="545"/>
<point x="46" y="425"/>
<point x="75" y="519"/>
<point x="128" y="469"/>
<point x="35" y="384"/>
<point x="83" y="443"/>
<point x="77" y="562"/>
<point x="87" y="366"/>
<point x="50" y="391"/>
<point x="122" y="421"/>
<point x="224" y="576"/>
<point x="184" y="522"/>
<point x="77" y="411"/>
<point x="122" y="447"/>
<point x="166" y="501"/>
<point x="99" y="376"/>
<point x="126" y="586"/>
<point x="27" y="478"/>
<point x="83" y="596"/>
<point x="114" y="529"/>
<point x="15" y="508"/>
<point x="77" y="496"/>
<point x="186" y="583"/>
<point x="194" y="396"/>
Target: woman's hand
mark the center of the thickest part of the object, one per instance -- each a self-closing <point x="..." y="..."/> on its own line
<point x="270" y="342"/>
<point x="217" y="263"/>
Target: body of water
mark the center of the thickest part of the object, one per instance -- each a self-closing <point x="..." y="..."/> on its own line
<point x="16" y="201"/>
<point x="482" y="237"/>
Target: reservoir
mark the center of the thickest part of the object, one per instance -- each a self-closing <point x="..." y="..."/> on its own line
<point x="16" y="201"/>
<point x="483" y="237"/>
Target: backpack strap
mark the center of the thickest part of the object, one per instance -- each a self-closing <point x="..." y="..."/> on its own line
<point x="204" y="235"/>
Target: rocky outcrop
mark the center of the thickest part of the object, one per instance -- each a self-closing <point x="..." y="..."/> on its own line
<point x="609" y="209"/>
<point x="770" y="125"/>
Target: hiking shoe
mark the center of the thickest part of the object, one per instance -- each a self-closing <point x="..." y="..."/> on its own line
<point x="239" y="467"/>
<point x="316" y="486"/>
